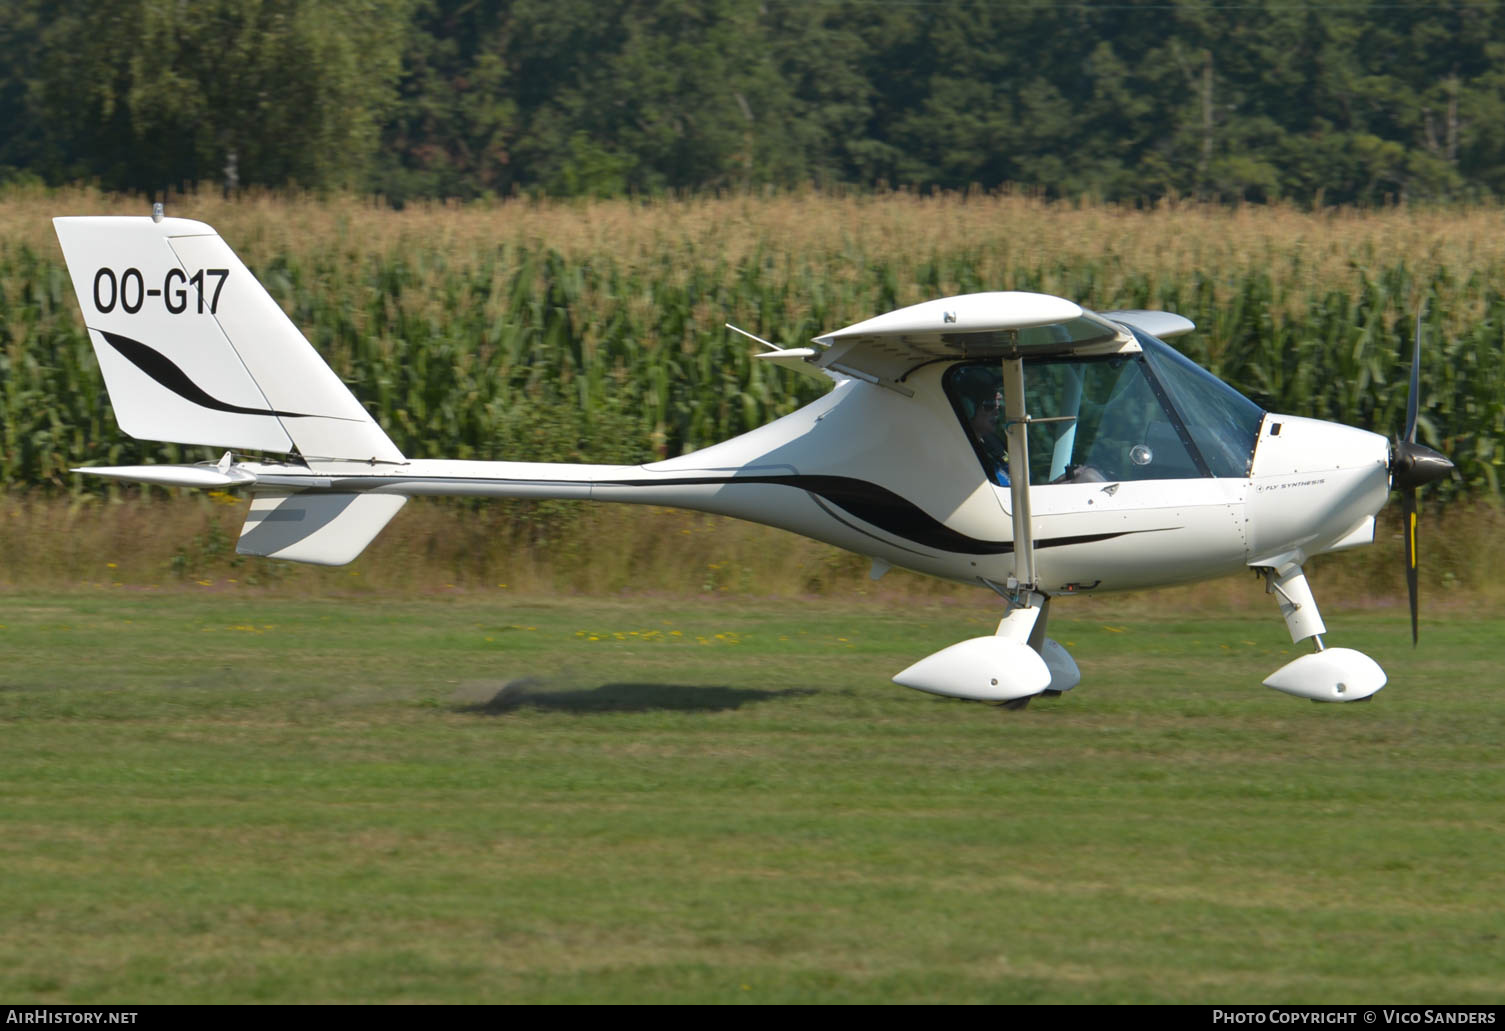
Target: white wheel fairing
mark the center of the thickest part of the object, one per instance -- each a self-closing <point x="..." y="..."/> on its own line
<point x="983" y="669"/>
<point x="1333" y="675"/>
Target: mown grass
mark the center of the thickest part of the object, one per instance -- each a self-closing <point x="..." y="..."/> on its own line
<point x="229" y="796"/>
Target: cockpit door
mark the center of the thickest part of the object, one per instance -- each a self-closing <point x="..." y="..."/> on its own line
<point x="1118" y="491"/>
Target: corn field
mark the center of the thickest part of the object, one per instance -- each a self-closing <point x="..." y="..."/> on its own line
<point x="563" y="332"/>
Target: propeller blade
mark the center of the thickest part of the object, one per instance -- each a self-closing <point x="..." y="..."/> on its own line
<point x="1414" y="465"/>
<point x="1408" y="509"/>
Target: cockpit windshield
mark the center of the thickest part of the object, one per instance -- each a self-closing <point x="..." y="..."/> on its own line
<point x="1223" y="423"/>
<point x="1149" y="416"/>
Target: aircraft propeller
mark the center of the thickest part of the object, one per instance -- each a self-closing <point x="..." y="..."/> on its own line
<point x="1414" y="465"/>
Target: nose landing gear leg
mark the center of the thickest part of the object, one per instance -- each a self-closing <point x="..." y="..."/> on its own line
<point x="1327" y="674"/>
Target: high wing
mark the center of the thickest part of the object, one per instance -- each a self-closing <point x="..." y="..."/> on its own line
<point x="1162" y="324"/>
<point x="998" y="324"/>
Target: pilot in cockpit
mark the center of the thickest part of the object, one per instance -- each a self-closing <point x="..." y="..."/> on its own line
<point x="986" y="423"/>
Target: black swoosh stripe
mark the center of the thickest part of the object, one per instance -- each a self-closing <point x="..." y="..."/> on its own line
<point x="831" y="511"/>
<point x="881" y="507"/>
<point x="161" y="369"/>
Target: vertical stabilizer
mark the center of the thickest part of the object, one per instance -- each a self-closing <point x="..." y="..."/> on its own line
<point x="195" y="351"/>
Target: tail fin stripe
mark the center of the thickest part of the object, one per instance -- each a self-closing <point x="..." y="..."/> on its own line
<point x="161" y="369"/>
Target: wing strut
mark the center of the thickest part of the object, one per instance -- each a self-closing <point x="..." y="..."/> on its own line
<point x="1017" y="427"/>
<point x="1017" y="422"/>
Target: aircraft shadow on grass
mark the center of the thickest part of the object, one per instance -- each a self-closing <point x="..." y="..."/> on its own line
<point x="531" y="694"/>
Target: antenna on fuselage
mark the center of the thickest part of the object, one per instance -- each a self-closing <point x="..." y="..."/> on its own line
<point x="752" y="336"/>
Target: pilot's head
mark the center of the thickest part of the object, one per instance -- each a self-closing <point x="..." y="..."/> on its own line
<point x="986" y="412"/>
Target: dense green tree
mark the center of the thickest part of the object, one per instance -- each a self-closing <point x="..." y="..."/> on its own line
<point x="812" y="118"/>
<point x="1130" y="100"/>
<point x="643" y="94"/>
<point x="154" y="93"/>
<point x="25" y="150"/>
<point x="452" y="130"/>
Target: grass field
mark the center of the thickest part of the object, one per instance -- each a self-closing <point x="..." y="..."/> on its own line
<point x="228" y="796"/>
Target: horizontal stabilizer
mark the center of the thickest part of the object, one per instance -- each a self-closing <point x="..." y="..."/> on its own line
<point x="324" y="529"/>
<point x="979" y="326"/>
<point x="173" y="475"/>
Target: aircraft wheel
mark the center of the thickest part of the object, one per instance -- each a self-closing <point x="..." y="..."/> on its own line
<point x="1015" y="704"/>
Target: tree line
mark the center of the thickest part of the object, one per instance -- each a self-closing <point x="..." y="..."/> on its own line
<point x="1126" y="101"/>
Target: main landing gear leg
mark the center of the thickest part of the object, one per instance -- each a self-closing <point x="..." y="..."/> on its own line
<point x="1028" y="625"/>
<point x="1327" y="674"/>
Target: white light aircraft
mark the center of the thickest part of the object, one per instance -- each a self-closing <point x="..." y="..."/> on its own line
<point x="1014" y="441"/>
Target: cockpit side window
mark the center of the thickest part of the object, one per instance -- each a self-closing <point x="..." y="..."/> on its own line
<point x="976" y="392"/>
<point x="1109" y="421"/>
<point x="1120" y="430"/>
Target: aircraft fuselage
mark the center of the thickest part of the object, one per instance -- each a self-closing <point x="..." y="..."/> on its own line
<point x="894" y="478"/>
